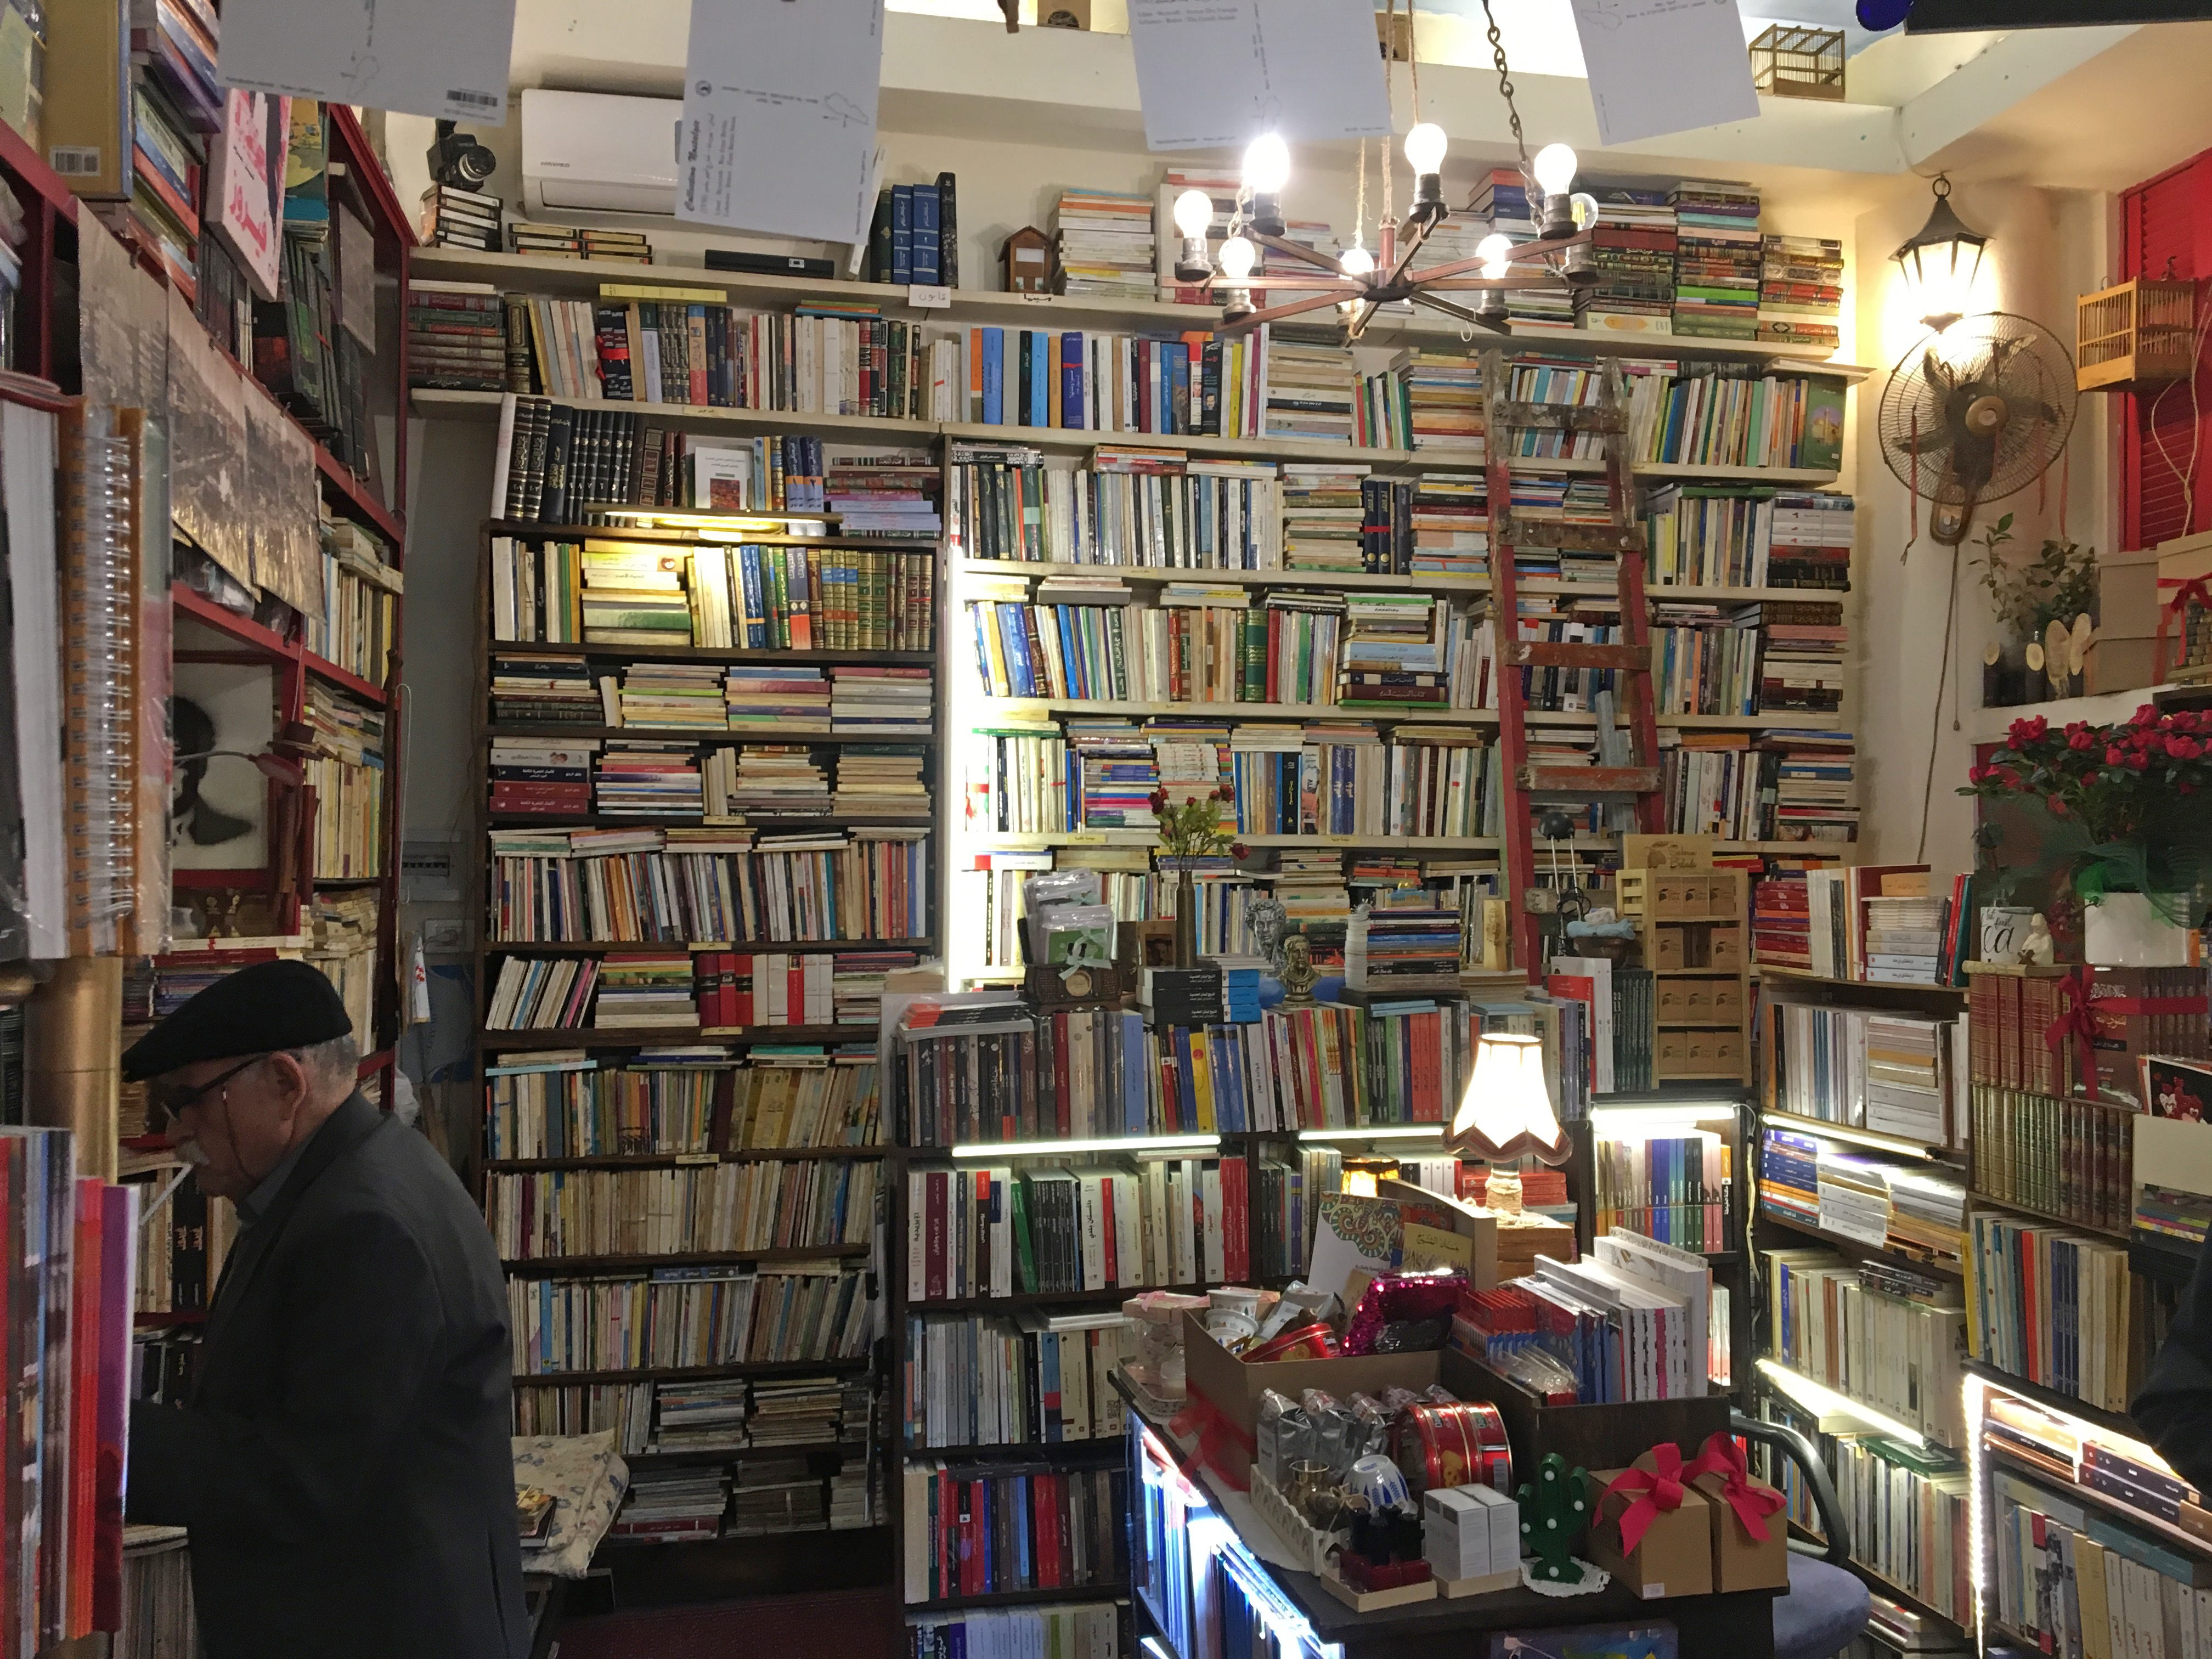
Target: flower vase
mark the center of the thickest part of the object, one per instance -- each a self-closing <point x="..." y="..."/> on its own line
<point x="2125" y="930"/>
<point x="1186" y="920"/>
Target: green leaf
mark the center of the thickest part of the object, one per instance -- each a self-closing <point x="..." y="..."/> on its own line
<point x="2005" y="524"/>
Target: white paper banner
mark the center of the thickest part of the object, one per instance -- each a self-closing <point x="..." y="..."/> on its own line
<point x="1659" y="66"/>
<point x="1217" y="72"/>
<point x="420" y="56"/>
<point x="779" y="116"/>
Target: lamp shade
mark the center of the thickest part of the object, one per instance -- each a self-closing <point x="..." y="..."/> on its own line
<point x="1941" y="261"/>
<point x="1507" y="1110"/>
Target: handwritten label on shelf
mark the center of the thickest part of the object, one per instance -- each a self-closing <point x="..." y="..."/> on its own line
<point x="1087" y="838"/>
<point x="1339" y="841"/>
<point x="695" y="1157"/>
<point x="928" y="296"/>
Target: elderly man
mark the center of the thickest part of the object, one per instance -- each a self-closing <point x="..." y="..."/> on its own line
<point x="343" y="1464"/>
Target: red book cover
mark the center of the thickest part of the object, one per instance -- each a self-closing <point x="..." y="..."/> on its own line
<point x="1044" y="1537"/>
<point x="1106" y="1208"/>
<point x="119" y="1264"/>
<point x="949" y="1496"/>
<point x="1233" y="1233"/>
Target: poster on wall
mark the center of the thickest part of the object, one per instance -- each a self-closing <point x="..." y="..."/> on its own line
<point x="246" y="182"/>
<point x="1219" y="72"/>
<point x="420" y="57"/>
<point x="219" y="714"/>
<point x="779" y="128"/>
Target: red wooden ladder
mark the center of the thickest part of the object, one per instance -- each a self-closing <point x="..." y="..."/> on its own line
<point x="1503" y="419"/>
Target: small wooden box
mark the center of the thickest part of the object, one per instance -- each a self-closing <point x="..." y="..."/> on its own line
<point x="1725" y="947"/>
<point x="1728" y="999"/>
<point x="1673" y="1003"/>
<point x="1668" y="950"/>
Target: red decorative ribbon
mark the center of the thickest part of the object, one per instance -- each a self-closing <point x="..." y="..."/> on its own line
<point x="2195" y="590"/>
<point x="2149" y="1004"/>
<point x="1752" y="1504"/>
<point x="1654" y="1489"/>
<point x="2077" y="1017"/>
<point x="1211" y="1426"/>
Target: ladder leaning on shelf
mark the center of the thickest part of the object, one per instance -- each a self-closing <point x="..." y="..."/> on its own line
<point x="1504" y="418"/>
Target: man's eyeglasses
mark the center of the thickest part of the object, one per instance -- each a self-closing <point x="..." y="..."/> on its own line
<point x="164" y="1104"/>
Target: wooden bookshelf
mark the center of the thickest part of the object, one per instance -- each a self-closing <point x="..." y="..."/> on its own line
<point x="665" y="1160"/>
<point x="744" y="947"/>
<point x="659" y="1036"/>
<point x="713" y="654"/>
<point x="580" y="1267"/>
<point x="687" y="1373"/>
<point x="1858" y="1249"/>
<point x="1111" y="1589"/>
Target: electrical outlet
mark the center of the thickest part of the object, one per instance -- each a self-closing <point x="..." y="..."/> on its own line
<point x="445" y="933"/>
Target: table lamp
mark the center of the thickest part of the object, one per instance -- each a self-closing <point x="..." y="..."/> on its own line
<point x="1506" y="1113"/>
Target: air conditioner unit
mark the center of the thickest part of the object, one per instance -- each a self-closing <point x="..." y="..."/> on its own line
<point x="595" y="152"/>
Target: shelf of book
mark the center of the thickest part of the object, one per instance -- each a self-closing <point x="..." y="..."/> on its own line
<point x="1883" y="988"/>
<point x="1880" y="1585"/>
<point x="1103" y="1444"/>
<point x="2003" y="1455"/>
<point x="570" y="1267"/>
<point x="712" y="653"/>
<point x="706" y="1457"/>
<point x="766" y="824"/>
<point x="1901" y="1145"/>
<point x="1112" y="1590"/>
<point x="433" y="403"/>
<point x="639" y="947"/>
<point x="1111" y="1295"/>
<point x="1948" y="1267"/>
<point x="665" y="1160"/>
<point x="582" y="279"/>
<point x="251" y="635"/>
<point x="1151" y="838"/>
<point x="2062" y="1405"/>
<point x="688" y="1373"/>
<point x="596" y="1037"/>
<point x="1418" y="582"/>
<point x="1982" y="1200"/>
<point x="704" y="734"/>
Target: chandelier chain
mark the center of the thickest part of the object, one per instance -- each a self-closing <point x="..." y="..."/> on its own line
<point x="1505" y="84"/>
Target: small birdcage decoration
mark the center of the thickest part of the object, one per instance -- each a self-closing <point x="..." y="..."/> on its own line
<point x="2139" y="334"/>
<point x="1790" y="61"/>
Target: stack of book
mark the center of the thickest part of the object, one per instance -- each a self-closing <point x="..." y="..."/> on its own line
<point x="1848" y="1330"/>
<point x="915" y="237"/>
<point x="578" y="242"/>
<point x="1104" y="242"/>
<point x="1321" y="515"/>
<point x="361" y="599"/>
<point x="1450" y="521"/>
<point x="1812" y="538"/>
<point x="541" y="777"/>
<point x="678" y="695"/>
<point x="1393" y="651"/>
<point x="541" y="993"/>
<point x="776" y="779"/>
<point x="453" y="217"/>
<point x="1392" y="951"/>
<point x="808" y="1411"/>
<point x="1800" y="290"/>
<point x="1781" y="922"/>
<point x="1813" y="786"/>
<point x="541" y="691"/>
<point x="672" y="1506"/>
<point x="176" y="103"/>
<point x="884" y="495"/>
<point x="2076" y="1343"/>
<point x="1503" y="198"/>
<point x="1717" y="264"/>
<point x="1802" y="662"/>
<point x="456" y="336"/>
<point x="1443" y="401"/>
<point x="637" y="991"/>
<point x="708" y="1415"/>
<point x="645" y="779"/>
<point x="1310" y="388"/>
<point x="888" y="702"/>
<point x="881" y="782"/>
<point x="1903" y="940"/>
<point x="1632" y="246"/>
<point x="635" y="596"/>
<point x="767" y="697"/>
<point x="346" y="772"/>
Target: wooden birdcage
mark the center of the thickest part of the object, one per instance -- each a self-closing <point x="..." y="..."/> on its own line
<point x="1790" y="62"/>
<point x="2143" y="333"/>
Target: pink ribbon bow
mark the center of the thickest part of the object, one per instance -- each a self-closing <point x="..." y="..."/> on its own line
<point x="1752" y="1504"/>
<point x="1655" y="1489"/>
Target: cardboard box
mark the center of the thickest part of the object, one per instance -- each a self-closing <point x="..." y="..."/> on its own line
<point x="1675" y="1557"/>
<point x="2127" y="594"/>
<point x="1233" y="1387"/>
<point x="2184" y="559"/>
<point x="2120" y="662"/>
<point x="1742" y="1562"/>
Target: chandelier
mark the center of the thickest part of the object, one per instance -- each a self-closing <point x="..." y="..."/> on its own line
<point x="1358" y="282"/>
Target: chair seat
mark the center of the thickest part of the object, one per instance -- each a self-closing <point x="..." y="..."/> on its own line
<point x="1825" y="1608"/>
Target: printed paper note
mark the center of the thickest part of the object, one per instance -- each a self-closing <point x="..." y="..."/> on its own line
<point x="779" y="126"/>
<point x="1660" y="66"/>
<point x="1215" y="72"/>
<point x="422" y="57"/>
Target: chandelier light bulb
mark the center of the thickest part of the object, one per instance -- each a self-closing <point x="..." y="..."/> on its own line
<point x="1496" y="252"/>
<point x="1193" y="212"/>
<point x="1424" y="148"/>
<point x="1585" y="208"/>
<point x="1554" y="167"/>
<point x="1237" y="254"/>
<point x="1267" y="164"/>
<point x="1356" y="261"/>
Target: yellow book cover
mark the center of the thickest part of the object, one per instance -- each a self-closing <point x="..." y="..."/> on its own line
<point x="1201" y="1080"/>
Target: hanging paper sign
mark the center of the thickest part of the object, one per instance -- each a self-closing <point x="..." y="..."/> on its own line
<point x="420" y="56"/>
<point x="246" y="182"/>
<point x="779" y="131"/>
<point x="1220" y="72"/>
<point x="1660" y="66"/>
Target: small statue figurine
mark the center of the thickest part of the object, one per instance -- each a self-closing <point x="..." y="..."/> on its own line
<point x="1298" y="976"/>
<point x="1264" y="921"/>
<point x="2037" y="950"/>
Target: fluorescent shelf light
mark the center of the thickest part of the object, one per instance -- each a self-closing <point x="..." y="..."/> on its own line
<point x="1874" y="1138"/>
<point x="1378" y="1132"/>
<point x="1824" y="1402"/>
<point x="1657" y="1120"/>
<point x="1069" y="1148"/>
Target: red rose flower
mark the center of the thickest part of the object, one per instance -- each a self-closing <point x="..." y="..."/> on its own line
<point x="2057" y="807"/>
<point x="2115" y="756"/>
<point x="2080" y="737"/>
<point x="2027" y="731"/>
<point x="1238" y="850"/>
<point x="2139" y="763"/>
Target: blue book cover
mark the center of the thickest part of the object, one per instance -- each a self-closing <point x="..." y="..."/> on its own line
<point x="1071" y="659"/>
<point x="902" y="233"/>
<point x="1041" y="381"/>
<point x="1186" y="1102"/>
<point x="749" y="571"/>
<point x="1072" y="413"/>
<point x="994" y="361"/>
<point x="1136" y="1095"/>
<point x="1054" y="1423"/>
<point x="1014" y="638"/>
<point x="927" y="264"/>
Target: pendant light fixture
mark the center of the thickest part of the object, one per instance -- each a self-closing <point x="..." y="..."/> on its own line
<point x="1940" y="262"/>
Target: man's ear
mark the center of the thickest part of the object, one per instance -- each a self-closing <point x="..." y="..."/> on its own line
<point x="293" y="1086"/>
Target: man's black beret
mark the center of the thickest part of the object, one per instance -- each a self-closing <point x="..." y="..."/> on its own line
<point x="257" y="1010"/>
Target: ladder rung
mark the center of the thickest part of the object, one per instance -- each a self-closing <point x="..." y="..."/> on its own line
<point x="1565" y="417"/>
<point x="1590" y="780"/>
<point x="1584" y="537"/>
<point x="1571" y="653"/>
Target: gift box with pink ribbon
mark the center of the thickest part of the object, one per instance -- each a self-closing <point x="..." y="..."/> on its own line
<point x="1654" y="1528"/>
<point x="1750" y="1533"/>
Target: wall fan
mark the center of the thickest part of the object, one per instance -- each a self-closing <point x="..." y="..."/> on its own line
<point x="1975" y="413"/>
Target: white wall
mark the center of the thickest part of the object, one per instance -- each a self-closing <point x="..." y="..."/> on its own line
<point x="2045" y="247"/>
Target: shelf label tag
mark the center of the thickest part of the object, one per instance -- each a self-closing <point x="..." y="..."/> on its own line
<point x="928" y="296"/>
<point x="1087" y="838"/>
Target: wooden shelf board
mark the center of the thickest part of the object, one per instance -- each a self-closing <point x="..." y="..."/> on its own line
<point x="1901" y="1145"/>
<point x="686" y="1373"/>
<point x="245" y="633"/>
<point x="433" y="403"/>
<point x="745" y="947"/>
<point x="1801" y="977"/>
<point x="581" y="1266"/>
<point x="2118" y="1235"/>
<point x="664" y="1160"/>
<point x="1115" y="1444"/>
<point x="1112" y="1590"/>
<point x="705" y="1456"/>
<point x="1110" y="1294"/>
<point x="714" y="654"/>
<point x="658" y="1037"/>
<point x="1020" y="708"/>
<point x="1947" y="1267"/>
<point x="1151" y="838"/>
<point x="1386" y="581"/>
<point x="694" y="735"/>
<point x="821" y="824"/>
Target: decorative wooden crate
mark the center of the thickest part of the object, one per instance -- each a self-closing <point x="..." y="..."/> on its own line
<point x="1693" y="926"/>
<point x="2139" y="334"/>
<point x="1790" y="62"/>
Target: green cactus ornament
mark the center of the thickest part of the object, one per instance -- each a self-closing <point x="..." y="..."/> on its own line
<point x="1554" y="1514"/>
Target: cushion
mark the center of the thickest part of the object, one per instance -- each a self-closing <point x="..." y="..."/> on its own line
<point x="1825" y="1608"/>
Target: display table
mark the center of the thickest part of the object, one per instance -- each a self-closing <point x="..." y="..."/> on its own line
<point x="1740" y="1626"/>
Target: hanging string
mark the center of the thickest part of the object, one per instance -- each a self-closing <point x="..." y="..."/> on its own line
<point x="2065" y="485"/>
<point x="1413" y="61"/>
<point x="1915" y="494"/>
<point x="1389" y="97"/>
<point x="1359" y="201"/>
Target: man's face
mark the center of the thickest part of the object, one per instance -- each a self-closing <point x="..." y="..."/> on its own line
<point x="239" y="1115"/>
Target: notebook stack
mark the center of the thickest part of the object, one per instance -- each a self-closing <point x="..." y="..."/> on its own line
<point x="703" y="1416"/>
<point x="881" y="782"/>
<point x="1315" y="900"/>
<point x="543" y="691"/>
<point x="672" y="1506"/>
<point x="1811" y="543"/>
<point x="452" y="217"/>
<point x="1310" y="384"/>
<point x="635" y="599"/>
<point x="1321" y="515"/>
<point x="777" y="1494"/>
<point x="1904" y="940"/>
<point x="1718" y="259"/>
<point x="1451" y="525"/>
<point x="1800" y="290"/>
<point x="541" y="777"/>
<point x="805" y="1411"/>
<point x="771" y="696"/>
<point x="886" y="496"/>
<point x="1402" y="951"/>
<point x="684" y="696"/>
<point x="1391" y="656"/>
<point x="1504" y="199"/>
<point x="1105" y="244"/>
<point x="456" y="336"/>
<point x="778" y="779"/>
<point x="1443" y="401"/>
<point x="1632" y="246"/>
<point x="856" y="990"/>
<point x="880" y="702"/>
<point x="576" y="242"/>
<point x="646" y="780"/>
<point x="638" y="992"/>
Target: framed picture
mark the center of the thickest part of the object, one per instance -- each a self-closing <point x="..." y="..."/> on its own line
<point x="221" y="715"/>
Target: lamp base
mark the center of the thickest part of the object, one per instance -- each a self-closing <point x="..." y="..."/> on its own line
<point x="1501" y="1193"/>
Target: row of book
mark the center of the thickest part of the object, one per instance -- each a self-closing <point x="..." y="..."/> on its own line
<point x="346" y="772"/>
<point x="2051" y="1306"/>
<point x="666" y="1101"/>
<point x="996" y="1231"/>
<point x="988" y="1529"/>
<point x="848" y="701"/>
<point x="1674" y="1188"/>
<point x="2065" y="1157"/>
<point x="1754" y="788"/>
<point x="704" y="1414"/>
<point x="675" y="886"/>
<point x="1899" y="1074"/>
<point x="1631" y="1321"/>
<point x="1031" y="1380"/>
<point x="1103" y="243"/>
<point x="181" y="1250"/>
<point x="757" y="1498"/>
<point x="672" y="1317"/>
<point x="664" y="782"/>
<point x="2068" y="1575"/>
<point x="1914" y="1209"/>
<point x="1085" y="1631"/>
<point x="748" y="597"/>
<point x="359" y="621"/>
<point x="1731" y="536"/>
<point x="1192" y="384"/>
<point x="1124" y="507"/>
<point x="1872" y="1333"/>
<point x="2136" y="1011"/>
<point x="916" y="234"/>
<point x="771" y="1205"/>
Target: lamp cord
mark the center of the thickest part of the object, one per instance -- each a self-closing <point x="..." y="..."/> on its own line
<point x="1505" y="88"/>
